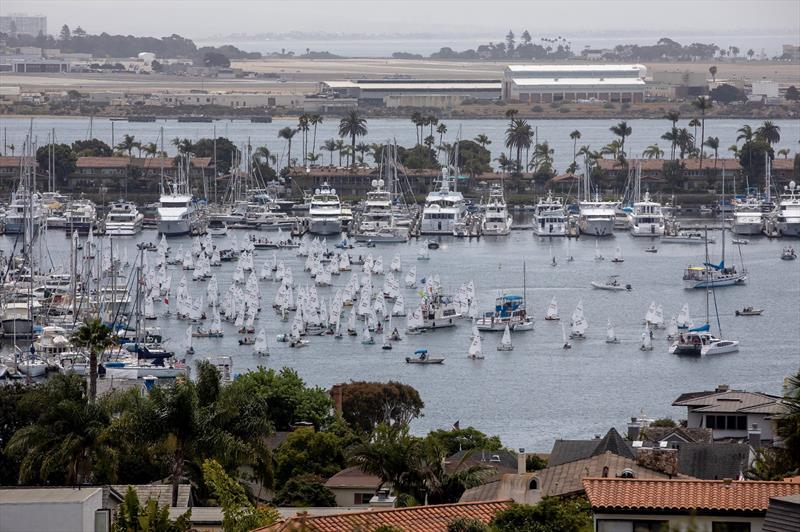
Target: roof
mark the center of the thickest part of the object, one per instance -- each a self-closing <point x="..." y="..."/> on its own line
<point x="353" y="477"/>
<point x="684" y="495"/>
<point x="657" y="165"/>
<point x="676" y="434"/>
<point x="575" y="68"/>
<point x="421" y="84"/>
<point x="14" y="161"/>
<point x="103" y="162"/>
<point x="783" y="514"/>
<point x="565" y="451"/>
<point x="433" y="518"/>
<point x="46" y="495"/>
<point x="162" y="493"/>
<point x="498" y="462"/>
<point x="713" y="461"/>
<point x="576" y="82"/>
<point x="144" y="162"/>
<point x="732" y="401"/>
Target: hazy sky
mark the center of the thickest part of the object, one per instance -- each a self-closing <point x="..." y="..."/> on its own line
<point x="202" y="18"/>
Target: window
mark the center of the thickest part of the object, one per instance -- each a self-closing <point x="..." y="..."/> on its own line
<point x="102" y="520"/>
<point x="362" y="498"/>
<point x="722" y="526"/>
<point x="726" y="422"/>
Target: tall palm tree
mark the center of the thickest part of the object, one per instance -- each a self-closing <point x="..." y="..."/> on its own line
<point x="483" y="140"/>
<point x="431" y="120"/>
<point x="127" y="144"/>
<point x="441" y="129"/>
<point x="287" y="133"/>
<point x="519" y="136"/>
<point x="362" y="148"/>
<point x="702" y="104"/>
<point x="340" y="147"/>
<point x="734" y="149"/>
<point x="150" y="149"/>
<point x="263" y="156"/>
<point x="695" y="123"/>
<point x="391" y="454"/>
<point x="504" y="162"/>
<point x="417" y="120"/>
<point x="13" y="148"/>
<point x="672" y="136"/>
<point x="315" y="120"/>
<point x="353" y="125"/>
<point x="672" y="116"/>
<point x="685" y="141"/>
<point x="653" y="152"/>
<point x="622" y="130"/>
<point x="713" y="143"/>
<point x="302" y="125"/>
<point x="575" y="136"/>
<point x="329" y="146"/>
<point x="95" y="337"/>
<point x="745" y="133"/>
<point x="769" y="132"/>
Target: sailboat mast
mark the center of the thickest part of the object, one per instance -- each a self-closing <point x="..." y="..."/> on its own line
<point x="706" y="271"/>
<point x="723" y="213"/>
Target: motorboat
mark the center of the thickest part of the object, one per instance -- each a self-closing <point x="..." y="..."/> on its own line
<point x="18" y="318"/>
<point x="748" y="217"/>
<point x="750" y="311"/>
<point x="549" y="217"/>
<point x="509" y="311"/>
<point x="496" y="220"/>
<point x="123" y="219"/>
<point x="438" y="310"/>
<point x="646" y="218"/>
<point x="325" y="211"/>
<point x="24" y="213"/>
<point x="685" y="238"/>
<point x="651" y="249"/>
<point x="788" y="253"/>
<point x="597" y="217"/>
<point x="217" y="227"/>
<point x="80" y="217"/>
<point x="177" y="212"/>
<point x="444" y="208"/>
<point x="377" y="220"/>
<point x="700" y="343"/>
<point x="421" y="357"/>
<point x="788" y="211"/>
<point x="612" y="283"/>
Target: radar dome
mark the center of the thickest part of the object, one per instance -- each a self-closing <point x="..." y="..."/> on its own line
<point x="374" y="183"/>
<point x="316" y="191"/>
<point x="380" y="182"/>
<point x="333" y="191"/>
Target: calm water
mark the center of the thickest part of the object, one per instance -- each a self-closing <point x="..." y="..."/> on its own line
<point x="594" y="133"/>
<point x="537" y="392"/>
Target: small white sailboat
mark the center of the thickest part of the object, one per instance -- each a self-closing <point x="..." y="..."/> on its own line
<point x="672" y="328"/>
<point x="366" y="335"/>
<point x="647" y="339"/>
<point x="505" y="342"/>
<point x="618" y="255"/>
<point x="260" y="347"/>
<point x="611" y="338"/>
<point x="187" y="342"/>
<point x="597" y="255"/>
<point x="578" y="325"/>
<point x="552" y="310"/>
<point x="411" y="277"/>
<point x="684" y="319"/>
<point x="475" y="347"/>
<point x="567" y="345"/>
<point x="423" y="254"/>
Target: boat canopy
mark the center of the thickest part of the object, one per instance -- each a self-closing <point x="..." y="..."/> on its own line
<point x="421" y="352"/>
<point x="720" y="266"/>
<point x="702" y="328"/>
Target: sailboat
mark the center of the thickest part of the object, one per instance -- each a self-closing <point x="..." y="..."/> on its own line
<point x="684" y="319"/>
<point x="578" y="323"/>
<point x="260" y="347"/>
<point x="552" y="310"/>
<point x="567" y="345"/>
<point x="475" y="347"/>
<point x="188" y="341"/>
<point x="672" y="329"/>
<point x="597" y="255"/>
<point x="351" y="323"/>
<point x="423" y="254"/>
<point x="366" y="335"/>
<point x="647" y="339"/>
<point x="505" y="342"/>
<point x="618" y="255"/>
<point x="611" y="338"/>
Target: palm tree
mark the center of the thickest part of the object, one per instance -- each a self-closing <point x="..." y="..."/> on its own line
<point x="672" y="116"/>
<point x="672" y="136"/>
<point x="287" y="133"/>
<point x="745" y="133"/>
<point x="353" y="125"/>
<point x="483" y="140"/>
<point x="784" y="152"/>
<point x="702" y="104"/>
<point x="390" y="454"/>
<point x="429" y="141"/>
<point x="262" y="156"/>
<point x="417" y="120"/>
<point x="127" y="144"/>
<point x="302" y="125"/>
<point x="95" y="337"/>
<point x="622" y="130"/>
<point x="329" y="146"/>
<point x="504" y="162"/>
<point x="362" y="148"/>
<point x="441" y="129"/>
<point x="431" y="121"/>
<point x="575" y="136"/>
<point x="684" y="140"/>
<point x="653" y="152"/>
<point x="734" y="149"/>
<point x="695" y="123"/>
<point x="315" y="120"/>
<point x="612" y="148"/>
<point x="150" y="149"/>
<point x="518" y="136"/>
<point x="769" y="132"/>
<point x="713" y="143"/>
<point x="340" y="147"/>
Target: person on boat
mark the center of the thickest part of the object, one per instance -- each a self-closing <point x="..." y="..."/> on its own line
<point x="423" y="356"/>
<point x="395" y="334"/>
<point x="379" y="328"/>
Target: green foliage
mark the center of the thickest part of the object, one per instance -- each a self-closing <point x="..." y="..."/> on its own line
<point x="216" y="59"/>
<point x="473" y="159"/>
<point x="239" y="513"/>
<point x="208" y="383"/>
<point x="91" y="148"/>
<point x="95" y="337"/>
<point x="132" y="517"/>
<point x="664" y="422"/>
<point x="452" y="441"/>
<point x="64" y="158"/>
<point x="12" y="418"/>
<point x="305" y="490"/>
<point x="308" y="452"/>
<point x="466" y="524"/>
<point x="365" y="405"/>
<point x="390" y="454"/>
<point x="674" y="174"/>
<point x="751" y="157"/>
<point x="551" y="514"/>
<point x="725" y="93"/>
<point x="773" y="463"/>
<point x="534" y="462"/>
<point x="792" y="94"/>
<point x="788" y="424"/>
<point x="226" y="152"/>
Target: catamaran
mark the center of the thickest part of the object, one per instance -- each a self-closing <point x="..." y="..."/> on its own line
<point x="549" y="217"/>
<point x="444" y="208"/>
<point x="325" y="212"/>
<point x="496" y="220"/>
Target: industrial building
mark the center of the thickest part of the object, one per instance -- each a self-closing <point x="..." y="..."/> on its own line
<point x="557" y="83"/>
<point x="21" y="24"/>
<point x="413" y="92"/>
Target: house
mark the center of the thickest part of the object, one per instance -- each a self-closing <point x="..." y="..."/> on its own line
<point x="733" y="414"/>
<point x="495" y="463"/>
<point x="73" y="509"/>
<point x="434" y="518"/>
<point x="640" y="505"/>
<point x="565" y="451"/>
<point x="652" y="170"/>
<point x="353" y="487"/>
<point x="161" y="493"/>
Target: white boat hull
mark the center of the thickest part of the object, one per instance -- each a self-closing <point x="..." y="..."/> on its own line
<point x="748" y="228"/>
<point x="791" y="229"/>
<point x="123" y="229"/>
<point x="550" y="229"/>
<point x="597" y="226"/>
<point x="325" y="227"/>
<point x="720" y="347"/>
<point x="647" y="230"/>
<point x="497" y="228"/>
<point x="728" y="280"/>
<point x="174" y="227"/>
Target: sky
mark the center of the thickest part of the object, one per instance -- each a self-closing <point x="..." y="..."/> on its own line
<point x="198" y="19"/>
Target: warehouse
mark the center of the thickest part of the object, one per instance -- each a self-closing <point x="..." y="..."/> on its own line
<point x="556" y="83"/>
<point x="413" y="92"/>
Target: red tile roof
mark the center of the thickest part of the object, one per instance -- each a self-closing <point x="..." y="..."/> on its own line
<point x="433" y="518"/>
<point x="353" y="477"/>
<point x="658" y="164"/>
<point x="684" y="495"/>
<point x="12" y="161"/>
<point x="103" y="162"/>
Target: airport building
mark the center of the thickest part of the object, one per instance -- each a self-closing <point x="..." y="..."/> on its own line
<point x="557" y="83"/>
<point x="413" y="92"/>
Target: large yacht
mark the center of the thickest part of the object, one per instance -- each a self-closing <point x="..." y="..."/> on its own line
<point x="748" y="217"/>
<point x="123" y="219"/>
<point x="788" y="211"/>
<point x="377" y="221"/>
<point x="81" y="216"/>
<point x="325" y="211"/>
<point x="496" y="220"/>
<point x="597" y="217"/>
<point x="646" y="219"/>
<point x="177" y="212"/>
<point x="25" y="208"/>
<point x="549" y="217"/>
<point x="444" y="208"/>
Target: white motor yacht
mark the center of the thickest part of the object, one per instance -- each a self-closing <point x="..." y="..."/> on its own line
<point x="788" y="211"/>
<point x="647" y="219"/>
<point x="496" y="220"/>
<point x="80" y="216"/>
<point x="25" y="208"/>
<point x="325" y="211"/>
<point x="444" y="208"/>
<point x="549" y="217"/>
<point x="123" y="219"/>
<point x="597" y="217"/>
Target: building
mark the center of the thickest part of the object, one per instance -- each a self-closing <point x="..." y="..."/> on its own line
<point x="234" y="100"/>
<point x="791" y="52"/>
<point x="25" y="64"/>
<point x="73" y="509"/>
<point x="566" y="83"/>
<point x="353" y="487"/>
<point x="691" y="174"/>
<point x="783" y="514"/>
<point x="733" y="414"/>
<point x="638" y="505"/>
<point x="413" y="92"/>
<point x="22" y="24"/>
<point x="677" y="85"/>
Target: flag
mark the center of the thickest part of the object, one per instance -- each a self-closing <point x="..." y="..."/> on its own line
<point x="457" y="425"/>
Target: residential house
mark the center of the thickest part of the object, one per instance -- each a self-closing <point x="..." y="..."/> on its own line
<point x="653" y="175"/>
<point x="642" y="505"/>
<point x="733" y="414"/>
<point x="783" y="171"/>
<point x="75" y="509"/>
<point x="494" y="463"/>
<point x="353" y="487"/>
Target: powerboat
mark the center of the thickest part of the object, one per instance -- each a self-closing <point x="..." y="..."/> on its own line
<point x="788" y="211"/>
<point x="611" y="284"/>
<point x="748" y="217"/>
<point x="597" y="217"/>
<point x="788" y="253"/>
<point x="509" y="310"/>
<point x="421" y="357"/>
<point x="123" y="219"/>
<point x="646" y="219"/>
<point x="325" y="211"/>
<point x="25" y="208"/>
<point x="496" y="220"/>
<point x="444" y="208"/>
<point x="701" y="343"/>
<point x="177" y="213"/>
<point x="549" y="217"/>
<point x="80" y="216"/>
<point x="217" y="227"/>
<point x="378" y="222"/>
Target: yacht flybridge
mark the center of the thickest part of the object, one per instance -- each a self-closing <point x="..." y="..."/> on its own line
<point x="377" y="220"/>
<point x="496" y="220"/>
<point x="325" y="212"/>
<point x="123" y="219"/>
<point x="647" y="219"/>
<point x="549" y="217"/>
<point x="444" y="208"/>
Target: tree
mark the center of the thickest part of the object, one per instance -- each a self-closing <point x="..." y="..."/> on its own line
<point x="750" y="54"/>
<point x="684" y="140"/>
<point x="91" y="148"/>
<point x="664" y="422"/>
<point x="653" y="152"/>
<point x="65" y="34"/>
<point x="769" y="132"/>
<point x="329" y="146"/>
<point x="726" y="93"/>
<point x="713" y="71"/>
<point x="483" y="140"/>
<point x="695" y="123"/>
<point x="467" y="524"/>
<point x="127" y="145"/>
<point x="315" y="120"/>
<point x="95" y="337"/>
<point x="441" y="129"/>
<point x="216" y="59"/>
<point x="391" y="454"/>
<point x="365" y="405"/>
<point x="713" y="143"/>
<point x="308" y="452"/>
<point x="702" y="104"/>
<point x="784" y="152"/>
<point x="263" y="159"/>
<point x="788" y="423"/>
<point x="305" y="490"/>
<point x="674" y="174"/>
<point x="130" y="516"/>
<point x="792" y="94"/>
<point x="551" y="514"/>
<point x="224" y="156"/>
<point x="473" y="159"/>
<point x="751" y="157"/>
<point x="353" y="125"/>
<point x="622" y="130"/>
<point x="575" y="136"/>
<point x="519" y="136"/>
<point x="239" y="514"/>
<point x="455" y="440"/>
<point x="64" y="159"/>
<point x="287" y="133"/>
<point x="510" y="42"/>
<point x="526" y="37"/>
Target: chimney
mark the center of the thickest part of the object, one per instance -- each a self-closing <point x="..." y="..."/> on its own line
<point x="754" y="436"/>
<point x="634" y="429"/>
<point x="521" y="466"/>
<point x="382" y="500"/>
<point x="722" y="388"/>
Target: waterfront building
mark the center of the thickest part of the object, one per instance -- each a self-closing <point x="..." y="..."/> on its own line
<point x="566" y="83"/>
<point x="413" y="92"/>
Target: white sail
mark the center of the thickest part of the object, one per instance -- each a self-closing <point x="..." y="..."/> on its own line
<point x="377" y="267"/>
<point x="650" y="315"/>
<point x="659" y="317"/>
<point x="411" y="278"/>
<point x="423" y="254"/>
<point x="187" y="339"/>
<point x="647" y="342"/>
<point x="216" y="323"/>
<point x="260" y="347"/>
<point x="597" y="255"/>
<point x="398" y="309"/>
<point x="505" y="342"/>
<point x="552" y="309"/>
<point x="579" y="325"/>
<point x="149" y="309"/>
<point x="414" y="320"/>
<point x="610" y="336"/>
<point x="684" y="320"/>
<point x="351" y="320"/>
<point x="396" y="265"/>
<point x="672" y="328"/>
<point x="618" y="254"/>
<point x="475" y="347"/>
<point x="366" y="334"/>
